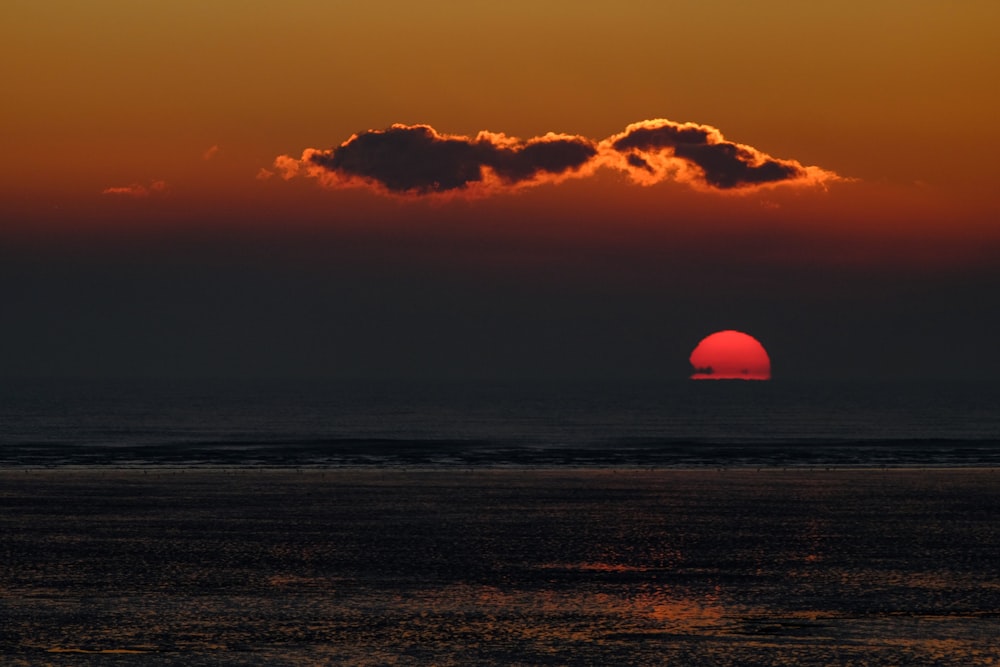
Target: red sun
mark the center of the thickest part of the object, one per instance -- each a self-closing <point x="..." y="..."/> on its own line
<point x="730" y="355"/>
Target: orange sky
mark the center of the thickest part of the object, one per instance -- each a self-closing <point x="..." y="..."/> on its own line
<point x="107" y="94"/>
<point x="153" y="119"/>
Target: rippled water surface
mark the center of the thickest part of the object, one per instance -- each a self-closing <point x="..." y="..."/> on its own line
<point x="292" y="423"/>
<point x="591" y="567"/>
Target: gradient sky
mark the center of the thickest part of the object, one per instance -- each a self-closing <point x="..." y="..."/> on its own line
<point x="140" y="237"/>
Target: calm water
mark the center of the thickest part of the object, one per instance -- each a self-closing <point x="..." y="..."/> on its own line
<point x="309" y="523"/>
<point x="680" y="423"/>
<point x="500" y="567"/>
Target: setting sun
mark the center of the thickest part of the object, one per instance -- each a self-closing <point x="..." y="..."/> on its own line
<point x="730" y="355"/>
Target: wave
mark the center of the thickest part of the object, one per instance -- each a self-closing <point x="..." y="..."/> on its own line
<point x="360" y="452"/>
<point x="488" y="424"/>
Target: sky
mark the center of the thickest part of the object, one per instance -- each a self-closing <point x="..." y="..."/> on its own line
<point x="517" y="190"/>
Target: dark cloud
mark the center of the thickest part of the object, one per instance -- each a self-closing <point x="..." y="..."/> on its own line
<point x="637" y="162"/>
<point x="418" y="160"/>
<point x="723" y="164"/>
<point x="650" y="136"/>
<point x="548" y="156"/>
<point x="729" y="166"/>
<point x="406" y="159"/>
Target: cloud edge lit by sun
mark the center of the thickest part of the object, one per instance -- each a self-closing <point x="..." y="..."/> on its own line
<point x="418" y="161"/>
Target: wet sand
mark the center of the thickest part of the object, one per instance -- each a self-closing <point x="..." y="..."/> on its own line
<point x="503" y="567"/>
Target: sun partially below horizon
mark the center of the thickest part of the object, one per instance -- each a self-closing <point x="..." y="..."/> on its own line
<point x="730" y="355"/>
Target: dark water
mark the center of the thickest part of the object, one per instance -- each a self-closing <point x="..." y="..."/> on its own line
<point x="500" y="567"/>
<point x="399" y="524"/>
<point x="659" y="424"/>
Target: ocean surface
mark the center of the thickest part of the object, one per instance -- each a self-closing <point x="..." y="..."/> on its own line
<point x="854" y="567"/>
<point x="681" y="423"/>
<point x="688" y="523"/>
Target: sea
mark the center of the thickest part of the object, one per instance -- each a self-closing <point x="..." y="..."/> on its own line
<point x="672" y="523"/>
<point x="286" y="423"/>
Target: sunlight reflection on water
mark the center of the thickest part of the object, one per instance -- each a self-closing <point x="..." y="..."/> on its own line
<point x="502" y="568"/>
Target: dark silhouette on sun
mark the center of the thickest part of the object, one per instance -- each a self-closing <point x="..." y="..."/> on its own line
<point x="730" y="355"/>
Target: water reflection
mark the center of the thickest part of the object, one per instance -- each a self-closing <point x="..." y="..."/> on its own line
<point x="504" y="568"/>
